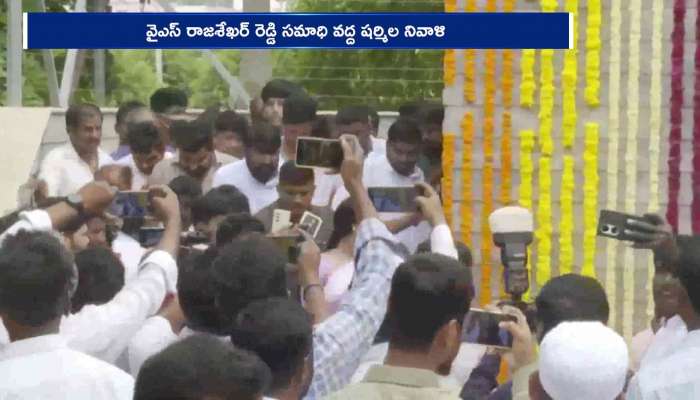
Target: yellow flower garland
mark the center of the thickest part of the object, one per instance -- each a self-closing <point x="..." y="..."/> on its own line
<point x="590" y="198"/>
<point x="527" y="146"/>
<point x="527" y="82"/>
<point x="450" y="5"/>
<point x="546" y="101"/>
<point x="569" y="81"/>
<point x="566" y="227"/>
<point x="448" y="158"/>
<point x="449" y="66"/>
<point x="543" y="234"/>
<point x="487" y="179"/>
<point x="613" y="143"/>
<point x="506" y="159"/>
<point x="466" y="209"/>
<point x="593" y="54"/>
<point x="470" y="63"/>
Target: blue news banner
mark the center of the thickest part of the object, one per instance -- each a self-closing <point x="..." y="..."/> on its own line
<point x="289" y="30"/>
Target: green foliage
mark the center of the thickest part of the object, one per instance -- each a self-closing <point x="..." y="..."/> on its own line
<point x="384" y="79"/>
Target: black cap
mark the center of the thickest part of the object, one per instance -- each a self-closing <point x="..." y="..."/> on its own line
<point x="299" y="107"/>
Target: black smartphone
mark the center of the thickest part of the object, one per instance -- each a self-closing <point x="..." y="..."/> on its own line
<point x="319" y="153"/>
<point x="131" y="204"/>
<point x="394" y="199"/>
<point x="289" y="244"/>
<point x="481" y="327"/>
<point x="612" y="224"/>
<point x="150" y="236"/>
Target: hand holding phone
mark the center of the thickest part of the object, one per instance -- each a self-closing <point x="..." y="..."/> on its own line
<point x="394" y="199"/>
<point x="322" y="153"/>
<point x="621" y="226"/>
<point x="483" y="327"/>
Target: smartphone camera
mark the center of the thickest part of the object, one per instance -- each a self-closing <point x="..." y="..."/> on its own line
<point x="610" y="230"/>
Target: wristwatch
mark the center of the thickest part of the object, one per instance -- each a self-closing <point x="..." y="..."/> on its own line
<point x="75" y="200"/>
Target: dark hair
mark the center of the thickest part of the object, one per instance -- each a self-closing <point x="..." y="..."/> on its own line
<point x="323" y="127"/>
<point x="143" y="137"/>
<point x="373" y="117"/>
<point x="571" y="297"/>
<point x="298" y="108"/>
<point x="279" y="331"/>
<point x="689" y="270"/>
<point x="432" y="113"/>
<point x="127" y="107"/>
<point x="290" y="174"/>
<point x="411" y="109"/>
<point x="351" y="114"/>
<point x="168" y="99"/>
<point x="77" y="112"/>
<point x="186" y="185"/>
<point x="229" y="120"/>
<point x="278" y="88"/>
<point x="36" y="277"/>
<point x="191" y="136"/>
<point x="222" y="200"/>
<point x="202" y="366"/>
<point x="100" y="277"/>
<point x="343" y="222"/>
<point x="405" y="130"/>
<point x="235" y="225"/>
<point x="264" y="137"/>
<point x="195" y="290"/>
<point x="248" y="269"/>
<point x="464" y="254"/>
<point x="427" y="291"/>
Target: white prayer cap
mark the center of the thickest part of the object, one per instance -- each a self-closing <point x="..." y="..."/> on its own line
<point x="583" y="361"/>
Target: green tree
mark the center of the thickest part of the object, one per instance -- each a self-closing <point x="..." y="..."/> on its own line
<point x="383" y="79"/>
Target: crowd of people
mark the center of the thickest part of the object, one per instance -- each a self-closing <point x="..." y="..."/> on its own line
<point x="223" y="292"/>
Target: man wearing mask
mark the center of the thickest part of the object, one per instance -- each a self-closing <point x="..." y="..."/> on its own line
<point x="69" y="167"/>
<point x="256" y="175"/>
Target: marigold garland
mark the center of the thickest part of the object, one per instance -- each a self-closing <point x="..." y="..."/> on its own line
<point x="470" y="63"/>
<point x="466" y="209"/>
<point x="593" y="45"/>
<point x="674" y="146"/>
<point x="487" y="179"/>
<point x="449" y="66"/>
<point x="506" y="159"/>
<point x="543" y="234"/>
<point x="527" y="146"/>
<point x="527" y="82"/>
<point x="590" y="198"/>
<point x="566" y="227"/>
<point x="448" y="158"/>
<point x="450" y="5"/>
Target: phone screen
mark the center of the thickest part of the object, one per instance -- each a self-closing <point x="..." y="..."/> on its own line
<point x="320" y="153"/>
<point x="394" y="199"/>
<point x="481" y="327"/>
<point x="131" y="205"/>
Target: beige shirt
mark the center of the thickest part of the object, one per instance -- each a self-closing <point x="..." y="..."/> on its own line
<point x="167" y="170"/>
<point x="384" y="382"/>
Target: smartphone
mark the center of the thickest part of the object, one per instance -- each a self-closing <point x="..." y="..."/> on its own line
<point x="394" y="199"/>
<point x="289" y="244"/>
<point x="310" y="223"/>
<point x="319" y="153"/>
<point x="481" y="327"/>
<point x="131" y="204"/>
<point x="612" y="224"/>
<point x="150" y="236"/>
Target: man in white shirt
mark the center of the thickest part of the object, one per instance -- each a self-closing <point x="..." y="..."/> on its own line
<point x="202" y="367"/>
<point x="195" y="156"/>
<point x="279" y="331"/>
<point x="103" y="331"/>
<point x="147" y="150"/>
<point x="675" y="376"/>
<point x="37" y="278"/>
<point x="67" y="168"/>
<point x="256" y="175"/>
